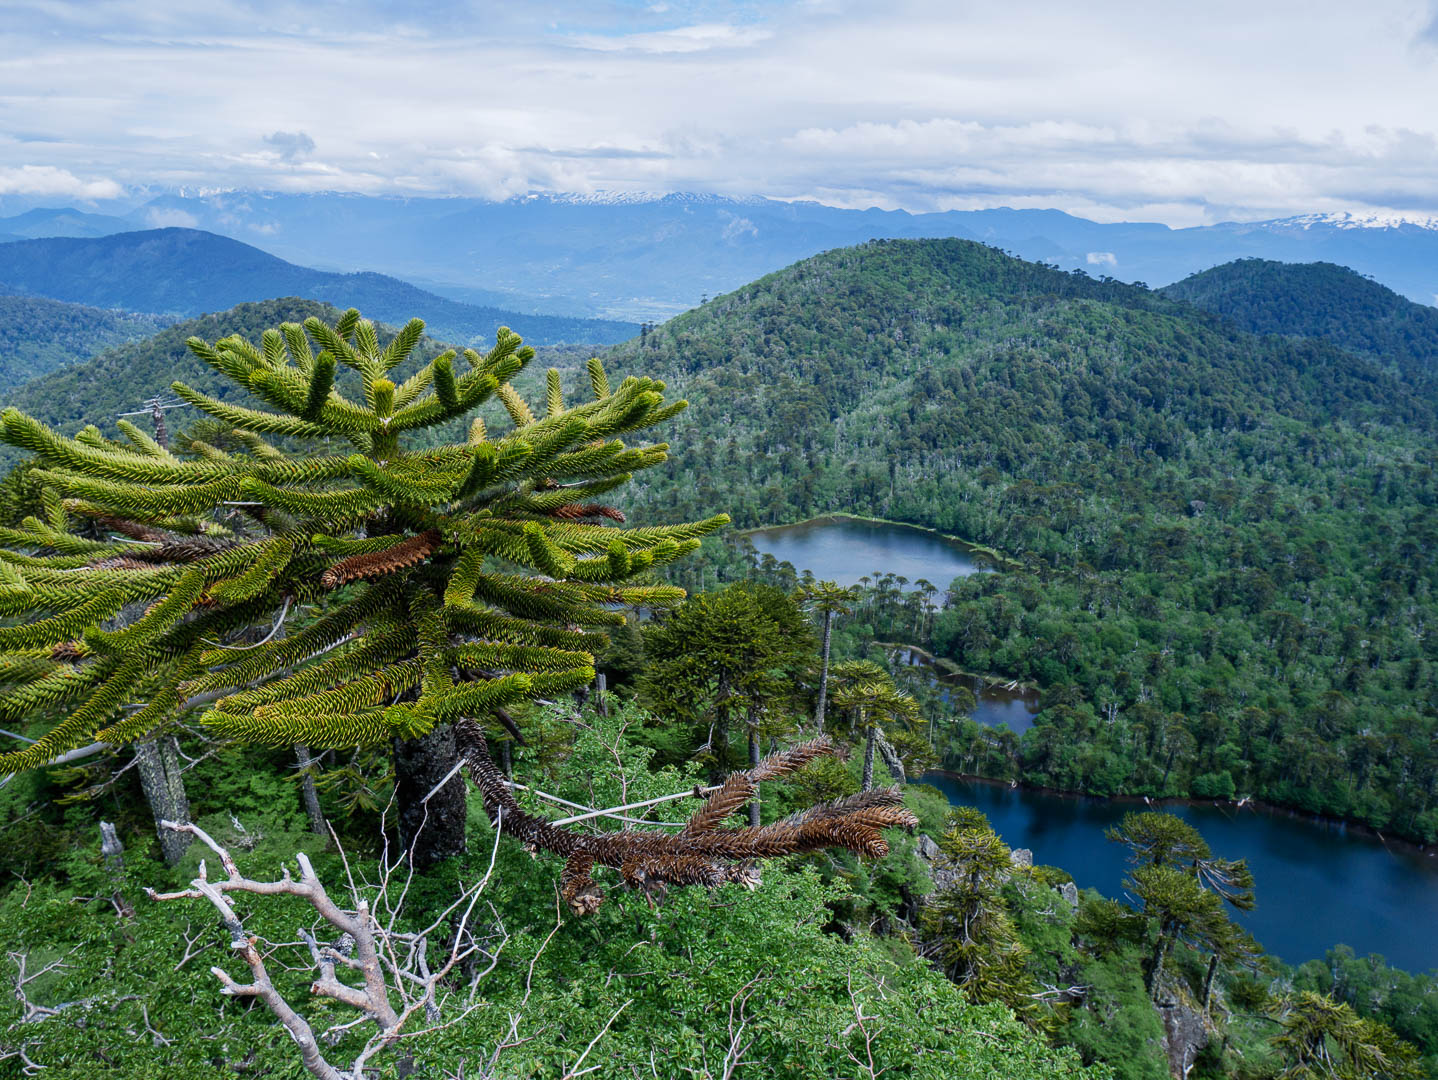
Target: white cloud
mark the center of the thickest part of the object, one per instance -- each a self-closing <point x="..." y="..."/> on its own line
<point x="1184" y="115"/>
<point x="1101" y="258"/>
<point x="175" y="218"/>
<point x="49" y="180"/>
<point x="683" y="39"/>
<point x="739" y="226"/>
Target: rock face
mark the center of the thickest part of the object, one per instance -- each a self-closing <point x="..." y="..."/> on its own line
<point x="1069" y="891"/>
<point x="1022" y="857"/>
<point x="1185" y="1033"/>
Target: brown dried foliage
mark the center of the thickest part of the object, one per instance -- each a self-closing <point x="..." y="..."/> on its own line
<point x="704" y="853"/>
<point x="377" y="564"/>
<point x="579" y="511"/>
<point x="67" y="650"/>
<point x="135" y="530"/>
<point x="187" y="550"/>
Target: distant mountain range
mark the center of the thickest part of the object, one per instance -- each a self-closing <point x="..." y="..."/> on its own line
<point x="186" y="272"/>
<point x="642" y="257"/>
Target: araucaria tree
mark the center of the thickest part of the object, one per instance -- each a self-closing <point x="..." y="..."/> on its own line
<point x="437" y="584"/>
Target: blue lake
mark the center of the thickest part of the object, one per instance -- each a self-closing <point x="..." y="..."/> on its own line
<point x="844" y="550"/>
<point x="1318" y="883"/>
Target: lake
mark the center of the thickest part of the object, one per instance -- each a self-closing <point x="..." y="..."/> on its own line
<point x="1013" y="708"/>
<point x="1317" y="883"/>
<point x="843" y="550"/>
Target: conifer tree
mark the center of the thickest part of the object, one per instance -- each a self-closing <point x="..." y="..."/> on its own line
<point x="440" y="584"/>
<point x="868" y="694"/>
<point x="829" y="599"/>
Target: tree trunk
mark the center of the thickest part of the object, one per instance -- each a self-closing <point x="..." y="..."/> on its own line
<point x="158" y="763"/>
<point x="434" y="831"/>
<point x="1208" y="980"/>
<point x="824" y="672"/>
<point x="754" y="763"/>
<point x="869" y="761"/>
<point x="1155" y="970"/>
<point x="308" y="793"/>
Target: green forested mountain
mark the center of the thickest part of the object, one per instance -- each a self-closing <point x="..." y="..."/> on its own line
<point x="1228" y="540"/>
<point x="186" y="272"/>
<point x="37" y="335"/>
<point x="1319" y="300"/>
<point x="118" y="379"/>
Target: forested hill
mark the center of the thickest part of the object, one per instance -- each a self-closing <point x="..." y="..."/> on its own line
<point x="37" y="335"/>
<point x="1229" y="539"/>
<point x="1320" y="300"/>
<point x="95" y="391"/>
<point x="119" y="379"/>
<point x="187" y="272"/>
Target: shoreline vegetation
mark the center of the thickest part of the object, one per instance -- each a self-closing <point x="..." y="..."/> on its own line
<point x="947" y="669"/>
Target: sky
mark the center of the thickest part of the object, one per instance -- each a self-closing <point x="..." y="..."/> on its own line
<point x="1113" y="110"/>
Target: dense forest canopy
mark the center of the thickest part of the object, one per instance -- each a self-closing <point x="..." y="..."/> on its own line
<point x="1320" y="300"/>
<point x="1227" y="540"/>
<point x="38" y="336"/>
<point x="1216" y="554"/>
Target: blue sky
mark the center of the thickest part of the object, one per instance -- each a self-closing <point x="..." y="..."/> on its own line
<point x="1114" y="110"/>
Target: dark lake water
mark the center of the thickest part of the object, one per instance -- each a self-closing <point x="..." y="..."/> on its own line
<point x="1014" y="708"/>
<point x="843" y="550"/>
<point x="1318" y="883"/>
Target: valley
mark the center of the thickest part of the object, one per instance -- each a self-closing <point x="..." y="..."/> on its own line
<point x="1196" y="576"/>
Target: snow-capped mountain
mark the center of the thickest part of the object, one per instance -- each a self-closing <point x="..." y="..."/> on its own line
<point x="1364" y="219"/>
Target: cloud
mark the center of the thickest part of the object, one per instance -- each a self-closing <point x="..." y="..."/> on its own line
<point x="49" y="180"/>
<point x="1107" y="110"/>
<point x="292" y="145"/>
<point x="1429" y="34"/>
<point x="174" y="218"/>
<point x="1101" y="258"/>
<point x="681" y="39"/>
<point x="739" y="226"/>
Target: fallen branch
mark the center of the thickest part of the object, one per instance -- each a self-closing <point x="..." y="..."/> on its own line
<point x="396" y="979"/>
<point x="704" y="852"/>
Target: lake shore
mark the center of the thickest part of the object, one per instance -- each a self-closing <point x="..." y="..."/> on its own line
<point x="949" y="670"/>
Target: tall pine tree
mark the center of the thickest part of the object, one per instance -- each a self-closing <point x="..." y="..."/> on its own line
<point x="439" y="583"/>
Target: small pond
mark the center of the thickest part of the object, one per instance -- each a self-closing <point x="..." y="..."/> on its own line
<point x="843" y="550"/>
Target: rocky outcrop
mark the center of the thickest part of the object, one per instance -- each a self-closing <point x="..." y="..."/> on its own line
<point x="1185" y="1031"/>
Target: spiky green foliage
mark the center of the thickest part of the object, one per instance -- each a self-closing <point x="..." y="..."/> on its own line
<point x="418" y="585"/>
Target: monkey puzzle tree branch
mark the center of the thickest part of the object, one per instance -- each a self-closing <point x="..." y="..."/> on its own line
<point x="705" y="852"/>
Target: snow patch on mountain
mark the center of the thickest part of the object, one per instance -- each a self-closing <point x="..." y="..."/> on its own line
<point x="637" y="198"/>
<point x="1361" y="219"/>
